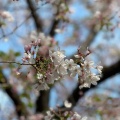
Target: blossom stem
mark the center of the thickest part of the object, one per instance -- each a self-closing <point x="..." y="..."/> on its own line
<point x="16" y="63"/>
<point x="56" y="114"/>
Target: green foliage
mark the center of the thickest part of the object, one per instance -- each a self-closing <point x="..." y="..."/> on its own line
<point x="30" y="104"/>
<point x="2" y="54"/>
<point x="97" y="99"/>
<point x="2" y="23"/>
<point x="25" y="95"/>
<point x="17" y="54"/>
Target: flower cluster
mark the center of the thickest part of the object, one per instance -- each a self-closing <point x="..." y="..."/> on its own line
<point x="5" y="15"/>
<point x="52" y="66"/>
<point x="67" y="115"/>
<point x="33" y="117"/>
<point x="39" y="46"/>
<point x="46" y="42"/>
<point x="87" y="77"/>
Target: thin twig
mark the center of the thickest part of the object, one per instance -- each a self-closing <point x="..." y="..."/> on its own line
<point x="16" y="63"/>
<point x="17" y="27"/>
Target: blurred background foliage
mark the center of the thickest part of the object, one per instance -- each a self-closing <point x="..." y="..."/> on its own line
<point x="88" y="23"/>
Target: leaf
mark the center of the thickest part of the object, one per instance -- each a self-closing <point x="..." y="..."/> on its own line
<point x="30" y="104"/>
<point x="17" y="54"/>
<point x="2" y="54"/>
<point x="25" y="95"/>
<point x="97" y="99"/>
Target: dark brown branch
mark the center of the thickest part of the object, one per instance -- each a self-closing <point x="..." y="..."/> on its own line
<point x="38" y="22"/>
<point x="54" y="26"/>
<point x="19" y="105"/>
<point x="42" y="103"/>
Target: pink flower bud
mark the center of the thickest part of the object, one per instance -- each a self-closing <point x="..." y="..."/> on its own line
<point x="29" y="48"/>
<point x="39" y="42"/>
<point x="26" y="48"/>
<point x="43" y="50"/>
<point x="17" y="71"/>
<point x="33" y="52"/>
<point x="23" y="59"/>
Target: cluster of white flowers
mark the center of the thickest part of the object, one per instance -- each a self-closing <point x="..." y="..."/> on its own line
<point x="5" y="15"/>
<point x="114" y="6"/>
<point x="57" y="71"/>
<point x="97" y="14"/>
<point x="67" y="115"/>
<point x="45" y="40"/>
<point x="49" y="116"/>
<point x="62" y="67"/>
<point x="53" y="66"/>
<point x="29" y="54"/>
<point x="76" y="116"/>
<point x="40" y="45"/>
<point x="32" y="117"/>
<point x="88" y="77"/>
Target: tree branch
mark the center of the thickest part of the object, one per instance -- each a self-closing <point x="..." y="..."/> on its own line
<point x="52" y="31"/>
<point x="20" y="107"/>
<point x="16" y="63"/>
<point x="38" y="22"/>
<point x="42" y="103"/>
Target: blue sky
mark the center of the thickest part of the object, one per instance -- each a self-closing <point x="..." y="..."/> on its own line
<point x="13" y="43"/>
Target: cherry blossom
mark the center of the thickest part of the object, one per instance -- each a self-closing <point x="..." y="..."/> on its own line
<point x="53" y="66"/>
<point x="76" y="116"/>
<point x="6" y="15"/>
<point x="49" y="116"/>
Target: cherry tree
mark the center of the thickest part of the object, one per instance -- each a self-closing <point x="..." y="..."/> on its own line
<point x="37" y="64"/>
